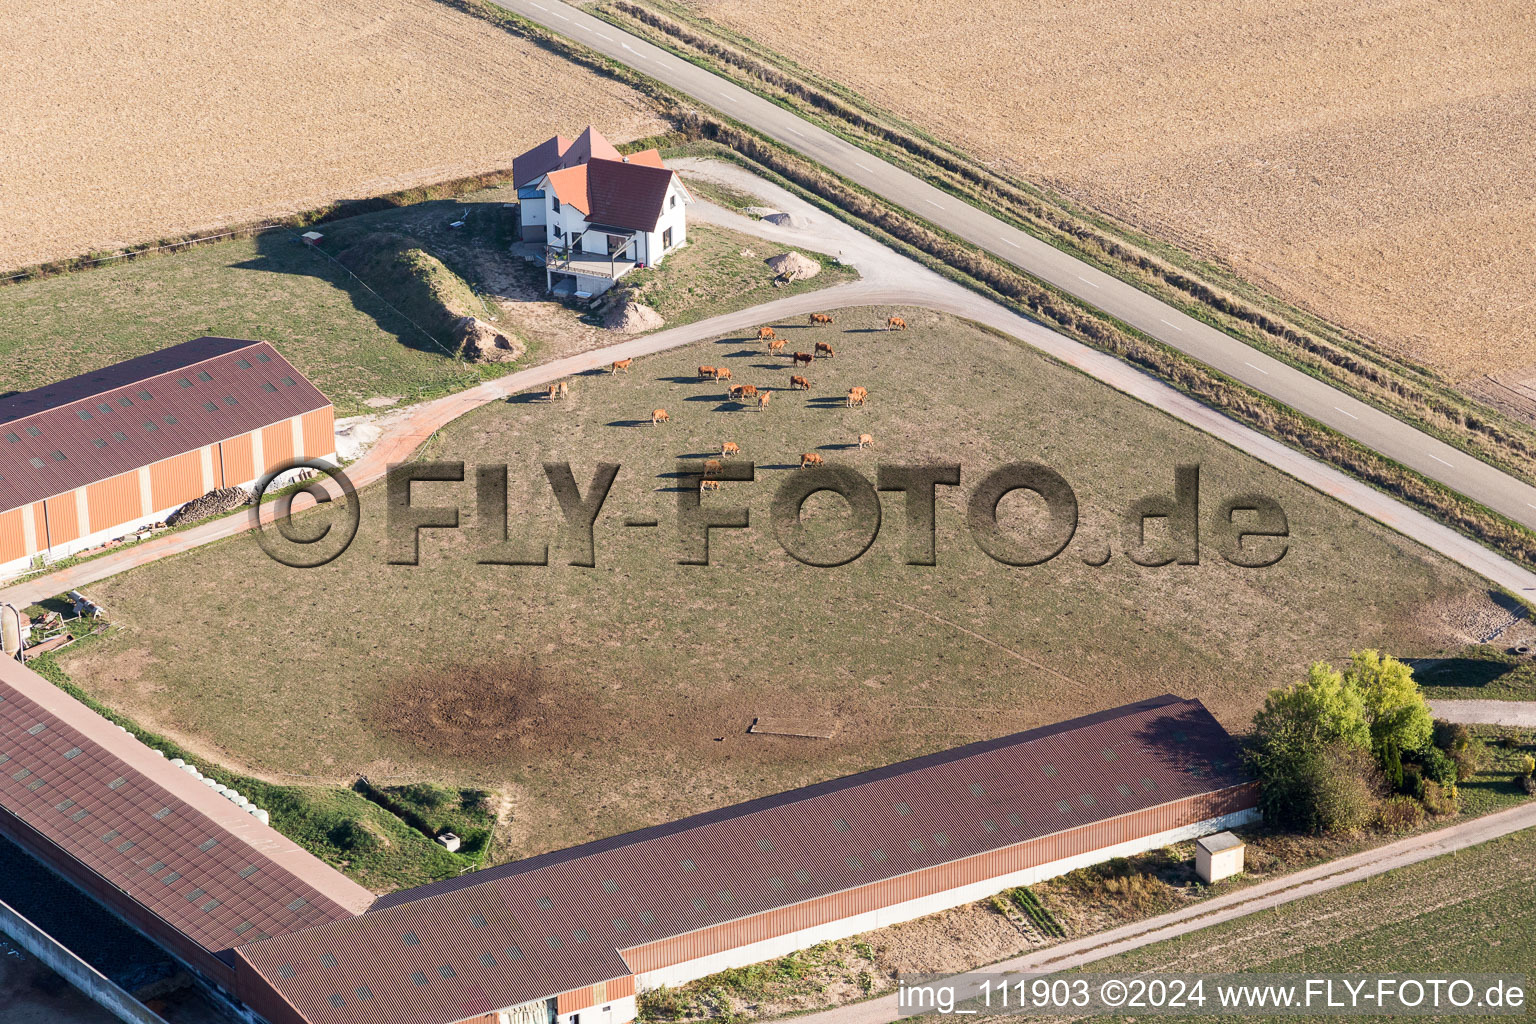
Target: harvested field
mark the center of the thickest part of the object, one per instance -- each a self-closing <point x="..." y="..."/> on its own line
<point x="1471" y="911"/>
<point x="616" y="696"/>
<point x="1369" y="161"/>
<point x="149" y="119"/>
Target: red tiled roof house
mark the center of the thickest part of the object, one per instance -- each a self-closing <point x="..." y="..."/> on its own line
<point x="598" y="214"/>
<point x="94" y="457"/>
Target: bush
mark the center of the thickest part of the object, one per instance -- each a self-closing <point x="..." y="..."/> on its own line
<point x="352" y="836"/>
<point x="1330" y="789"/>
<point x="1441" y="800"/>
<point x="1346" y="793"/>
<point x="1469" y="759"/>
<point x="1437" y="766"/>
<point x="1450" y="736"/>
<point x="1528" y="783"/>
<point x="1400" y="814"/>
<point x="1413" y="781"/>
<point x="1527" y="764"/>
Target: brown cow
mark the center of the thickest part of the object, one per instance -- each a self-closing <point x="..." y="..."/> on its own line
<point x="856" y="396"/>
<point x="707" y="372"/>
<point x="709" y="485"/>
<point x="559" y="390"/>
<point x="895" y="323"/>
<point x="730" y="448"/>
<point x="762" y="400"/>
<point x="659" y="416"/>
<point x="723" y="373"/>
<point x="811" y="459"/>
<point x="821" y="318"/>
<point x="712" y="467"/>
<point x="777" y="346"/>
<point x="764" y="333"/>
<point x="799" y="383"/>
<point x="865" y="440"/>
<point x="739" y="391"/>
<point x="803" y="357"/>
<point x="823" y="349"/>
<point x="621" y="364"/>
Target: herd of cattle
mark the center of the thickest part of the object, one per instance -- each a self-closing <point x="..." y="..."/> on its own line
<point x="744" y="394"/>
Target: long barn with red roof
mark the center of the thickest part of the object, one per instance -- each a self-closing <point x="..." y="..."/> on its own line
<point x="92" y="458"/>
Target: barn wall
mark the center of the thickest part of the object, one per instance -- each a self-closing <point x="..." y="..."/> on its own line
<point x="63" y="519"/>
<point x="319" y="433"/>
<point x="177" y="480"/>
<point x="114" y="501"/>
<point x="682" y="958"/>
<point x="13" y="536"/>
<point x="276" y="445"/>
<point x="239" y="459"/>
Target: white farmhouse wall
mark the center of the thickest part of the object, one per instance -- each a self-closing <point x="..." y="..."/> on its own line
<point x="783" y="945"/>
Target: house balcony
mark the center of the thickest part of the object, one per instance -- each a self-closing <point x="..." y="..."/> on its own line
<point x="586" y="264"/>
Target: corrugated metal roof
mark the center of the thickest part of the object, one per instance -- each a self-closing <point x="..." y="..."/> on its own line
<point x="567" y="912"/>
<point x="188" y="867"/>
<point x="134" y="413"/>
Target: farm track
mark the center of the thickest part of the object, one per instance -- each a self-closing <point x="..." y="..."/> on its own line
<point x="1262" y="896"/>
<point x="887" y="279"/>
<point x="1310" y="396"/>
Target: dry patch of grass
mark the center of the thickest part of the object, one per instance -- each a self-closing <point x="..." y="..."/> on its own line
<point x="1342" y="156"/>
<point x="150" y="119"/>
<point x="661" y="667"/>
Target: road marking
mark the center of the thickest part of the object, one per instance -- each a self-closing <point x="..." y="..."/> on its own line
<point x="1437" y="458"/>
<point x="1178" y="328"/>
<point x="634" y="51"/>
<point x="664" y="65"/>
<point x="600" y="35"/>
<point x="539" y="6"/>
<point x="930" y="202"/>
<point x="795" y="130"/>
<point x="559" y="15"/>
<point x="1083" y="279"/>
<point x="864" y="166"/>
<point x="1014" y="244"/>
<point x="1351" y="415"/>
<point x="1261" y="370"/>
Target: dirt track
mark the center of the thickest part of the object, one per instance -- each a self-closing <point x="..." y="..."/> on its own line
<point x="1368" y="160"/>
<point x="144" y="119"/>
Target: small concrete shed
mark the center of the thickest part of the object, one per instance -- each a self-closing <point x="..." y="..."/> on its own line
<point x="1218" y="856"/>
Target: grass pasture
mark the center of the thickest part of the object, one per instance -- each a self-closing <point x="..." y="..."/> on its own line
<point x="597" y="700"/>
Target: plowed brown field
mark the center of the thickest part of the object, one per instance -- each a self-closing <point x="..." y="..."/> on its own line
<point x="1369" y="160"/>
<point x="132" y="120"/>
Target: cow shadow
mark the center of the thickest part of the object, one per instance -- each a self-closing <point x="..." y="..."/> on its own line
<point x="745" y="353"/>
<point x="698" y="455"/>
<point x="826" y="402"/>
<point x="526" y="397"/>
<point x="780" y="465"/>
<point x="629" y="423"/>
<point x="683" y="379"/>
<point x="837" y="447"/>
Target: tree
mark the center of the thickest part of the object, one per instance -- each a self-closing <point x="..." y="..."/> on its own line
<point x="1398" y="718"/>
<point x="1320" y="709"/>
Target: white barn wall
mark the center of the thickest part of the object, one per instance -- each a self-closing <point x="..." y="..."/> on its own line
<point x="783" y="945"/>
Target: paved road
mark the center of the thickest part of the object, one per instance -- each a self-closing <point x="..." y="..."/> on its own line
<point x="1376" y="429"/>
<point x="1520" y="713"/>
<point x="1263" y="896"/>
<point x="886" y="279"/>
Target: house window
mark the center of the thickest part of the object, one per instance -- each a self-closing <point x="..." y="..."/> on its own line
<point x="556" y="201"/>
<point x="556" y="232"/>
<point x="672" y="203"/>
<point x="666" y="239"/>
